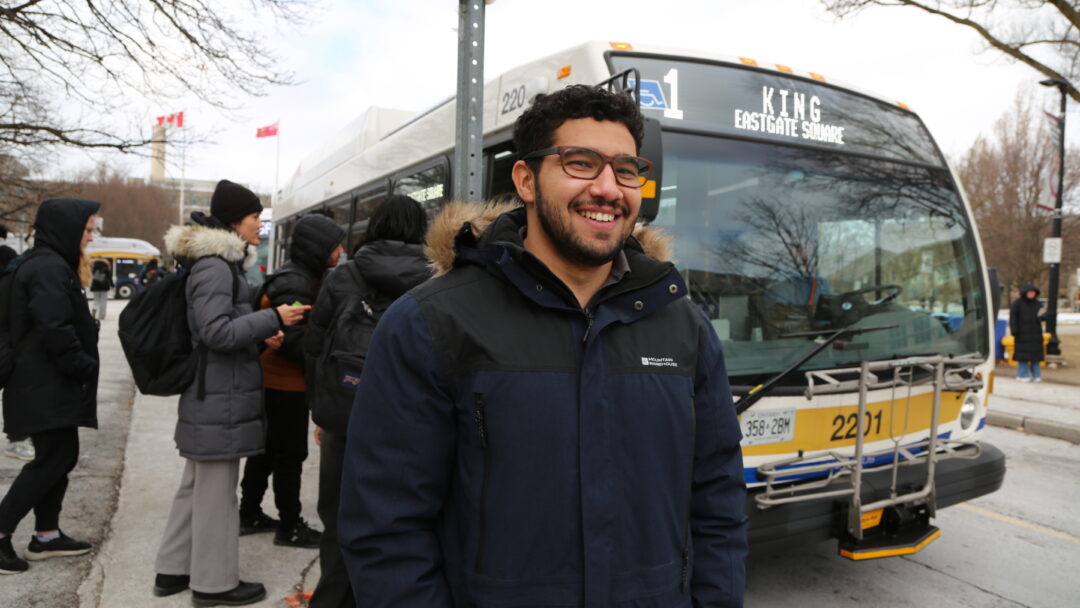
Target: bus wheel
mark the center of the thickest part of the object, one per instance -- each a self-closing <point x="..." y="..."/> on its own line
<point x="125" y="291"/>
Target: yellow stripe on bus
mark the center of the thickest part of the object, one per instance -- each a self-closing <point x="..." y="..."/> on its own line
<point x="835" y="427"/>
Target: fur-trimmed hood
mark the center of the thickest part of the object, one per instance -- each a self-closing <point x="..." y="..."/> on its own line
<point x="458" y="218"/>
<point x="193" y="242"/>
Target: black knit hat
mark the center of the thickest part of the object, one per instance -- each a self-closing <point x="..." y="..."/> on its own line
<point x="232" y="202"/>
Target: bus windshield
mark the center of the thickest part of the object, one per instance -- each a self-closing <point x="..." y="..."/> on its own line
<point x="777" y="240"/>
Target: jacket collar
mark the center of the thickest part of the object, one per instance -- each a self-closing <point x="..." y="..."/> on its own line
<point x="490" y="236"/>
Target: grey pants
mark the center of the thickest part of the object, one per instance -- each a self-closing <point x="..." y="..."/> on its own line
<point x="101" y="302"/>
<point x="202" y="536"/>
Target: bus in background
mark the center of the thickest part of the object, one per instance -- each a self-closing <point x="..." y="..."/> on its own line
<point x="127" y="258"/>
<point x="819" y="228"/>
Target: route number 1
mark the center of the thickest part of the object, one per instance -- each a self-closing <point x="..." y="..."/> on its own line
<point x="672" y="78"/>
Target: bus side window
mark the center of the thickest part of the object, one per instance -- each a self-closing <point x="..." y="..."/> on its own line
<point x="499" y="171"/>
<point x="366" y="204"/>
<point x="427" y="186"/>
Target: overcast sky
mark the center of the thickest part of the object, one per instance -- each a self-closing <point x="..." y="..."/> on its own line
<point x="402" y="54"/>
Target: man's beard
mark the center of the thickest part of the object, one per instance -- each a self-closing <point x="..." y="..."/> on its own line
<point x="571" y="245"/>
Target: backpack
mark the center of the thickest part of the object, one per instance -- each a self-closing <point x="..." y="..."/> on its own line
<point x="338" y="366"/>
<point x="157" y="340"/>
<point x="7" y="292"/>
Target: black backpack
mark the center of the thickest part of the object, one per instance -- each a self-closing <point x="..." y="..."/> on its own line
<point x="7" y="285"/>
<point x="338" y="366"/>
<point x="157" y="341"/>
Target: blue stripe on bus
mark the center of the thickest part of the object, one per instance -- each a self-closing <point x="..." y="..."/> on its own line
<point x="750" y="475"/>
<point x="982" y="423"/>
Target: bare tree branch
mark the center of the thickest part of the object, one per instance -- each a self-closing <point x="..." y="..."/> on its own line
<point x="976" y="14"/>
<point x="96" y="55"/>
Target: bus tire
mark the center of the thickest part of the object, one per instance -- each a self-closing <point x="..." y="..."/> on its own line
<point x="125" y="291"/>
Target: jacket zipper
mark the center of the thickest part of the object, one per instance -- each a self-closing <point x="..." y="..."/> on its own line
<point x="481" y="426"/>
<point x="685" y="584"/>
<point x="588" y="324"/>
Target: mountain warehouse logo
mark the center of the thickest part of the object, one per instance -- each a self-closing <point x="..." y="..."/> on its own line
<point x="659" y="361"/>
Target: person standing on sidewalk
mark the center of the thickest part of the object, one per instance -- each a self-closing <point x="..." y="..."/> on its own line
<point x="53" y="388"/>
<point x="548" y="423"/>
<point x="1025" y="324"/>
<point x="100" y="283"/>
<point x="17" y="447"/>
<point x="315" y="246"/>
<point x="221" y="416"/>
<point x="390" y="262"/>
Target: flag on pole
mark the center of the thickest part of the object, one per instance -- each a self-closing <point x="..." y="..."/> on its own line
<point x="267" y="131"/>
<point x="1049" y="174"/>
<point x="174" y="120"/>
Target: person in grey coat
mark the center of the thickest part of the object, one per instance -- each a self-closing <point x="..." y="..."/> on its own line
<point x="221" y="417"/>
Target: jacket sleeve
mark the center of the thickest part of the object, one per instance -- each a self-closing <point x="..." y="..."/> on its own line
<point x="397" y="468"/>
<point x="47" y="284"/>
<point x="289" y="289"/>
<point x="210" y="292"/>
<point x="717" y="517"/>
<point x="322" y="313"/>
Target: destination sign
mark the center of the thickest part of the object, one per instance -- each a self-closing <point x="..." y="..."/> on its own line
<point x="745" y="102"/>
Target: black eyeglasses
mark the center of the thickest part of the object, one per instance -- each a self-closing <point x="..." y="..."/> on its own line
<point x="586" y="163"/>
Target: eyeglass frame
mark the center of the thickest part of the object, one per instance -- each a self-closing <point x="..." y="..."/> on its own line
<point x="605" y="161"/>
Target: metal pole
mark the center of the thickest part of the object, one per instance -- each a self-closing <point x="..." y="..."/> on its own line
<point x="469" y="126"/>
<point x="1054" y="346"/>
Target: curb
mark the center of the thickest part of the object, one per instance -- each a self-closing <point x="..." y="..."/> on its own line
<point x="1037" y="426"/>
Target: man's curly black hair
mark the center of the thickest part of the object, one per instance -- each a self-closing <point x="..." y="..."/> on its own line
<point x="535" y="128"/>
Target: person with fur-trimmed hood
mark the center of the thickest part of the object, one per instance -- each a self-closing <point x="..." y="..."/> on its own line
<point x="314" y="248"/>
<point x="221" y="417"/>
<point x="549" y="422"/>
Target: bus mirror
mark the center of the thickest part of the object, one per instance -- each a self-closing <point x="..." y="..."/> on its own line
<point x="652" y="149"/>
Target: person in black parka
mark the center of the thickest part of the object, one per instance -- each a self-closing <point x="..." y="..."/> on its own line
<point x="390" y="262"/>
<point x="314" y="248"/>
<point x="100" y="283"/>
<point x="53" y="388"/>
<point x="1025" y="324"/>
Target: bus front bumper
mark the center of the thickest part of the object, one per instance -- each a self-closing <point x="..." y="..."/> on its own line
<point x="956" y="480"/>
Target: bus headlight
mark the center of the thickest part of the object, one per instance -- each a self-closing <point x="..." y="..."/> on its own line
<point x="967" y="411"/>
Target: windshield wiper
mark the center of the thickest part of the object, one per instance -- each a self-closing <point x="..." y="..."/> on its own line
<point x="764" y="388"/>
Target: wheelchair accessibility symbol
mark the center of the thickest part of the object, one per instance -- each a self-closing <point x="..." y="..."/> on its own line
<point x="652" y="95"/>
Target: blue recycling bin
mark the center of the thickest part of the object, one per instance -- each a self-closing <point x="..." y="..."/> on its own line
<point x="1001" y="327"/>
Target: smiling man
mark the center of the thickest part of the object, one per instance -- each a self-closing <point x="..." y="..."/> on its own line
<point x="548" y="422"/>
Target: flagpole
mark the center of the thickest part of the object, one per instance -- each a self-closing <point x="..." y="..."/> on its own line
<point x="183" y="178"/>
<point x="277" y="161"/>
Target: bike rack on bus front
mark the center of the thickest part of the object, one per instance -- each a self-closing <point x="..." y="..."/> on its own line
<point x="944" y="373"/>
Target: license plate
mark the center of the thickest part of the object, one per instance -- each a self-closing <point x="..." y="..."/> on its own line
<point x="769" y="426"/>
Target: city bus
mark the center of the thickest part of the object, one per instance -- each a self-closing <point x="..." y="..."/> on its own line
<point x="821" y="230"/>
<point x="127" y="258"/>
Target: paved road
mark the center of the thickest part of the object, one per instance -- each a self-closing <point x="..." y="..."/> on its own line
<point x="1018" y="547"/>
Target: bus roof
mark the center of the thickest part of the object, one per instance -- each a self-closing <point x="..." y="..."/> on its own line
<point x="111" y="244"/>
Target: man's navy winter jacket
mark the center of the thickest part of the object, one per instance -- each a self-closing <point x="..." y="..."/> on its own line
<point x="507" y="448"/>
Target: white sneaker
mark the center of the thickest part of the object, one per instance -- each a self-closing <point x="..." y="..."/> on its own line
<point x="1024" y="379"/>
<point x="23" y="450"/>
<point x="1037" y="380"/>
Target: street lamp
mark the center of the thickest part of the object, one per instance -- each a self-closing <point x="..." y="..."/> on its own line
<point x="1054" y="346"/>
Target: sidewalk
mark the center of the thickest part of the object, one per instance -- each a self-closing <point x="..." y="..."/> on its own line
<point x="1043" y="408"/>
<point x="122" y="572"/>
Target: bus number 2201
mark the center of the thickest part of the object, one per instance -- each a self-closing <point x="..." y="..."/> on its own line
<point x="844" y="427"/>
